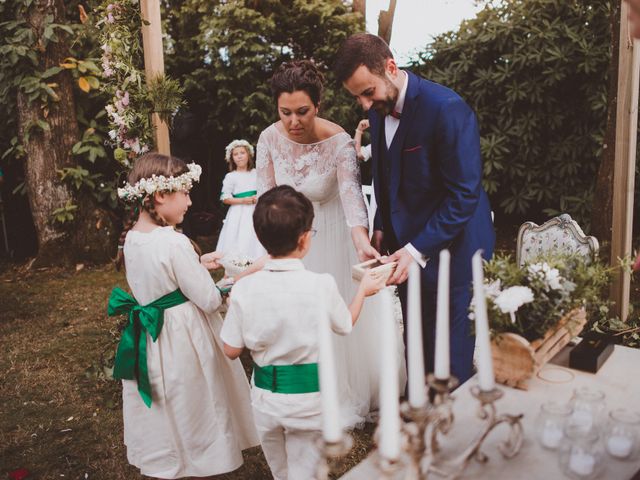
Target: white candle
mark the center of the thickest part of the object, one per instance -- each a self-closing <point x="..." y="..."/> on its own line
<point x="441" y="369"/>
<point x="551" y="435"/>
<point x="331" y="430"/>
<point x="581" y="463"/>
<point x="485" y="363"/>
<point x="619" y="446"/>
<point x="389" y="433"/>
<point x="415" y="351"/>
<point x="583" y="419"/>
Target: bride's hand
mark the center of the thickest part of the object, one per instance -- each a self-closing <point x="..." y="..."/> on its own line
<point x="365" y="251"/>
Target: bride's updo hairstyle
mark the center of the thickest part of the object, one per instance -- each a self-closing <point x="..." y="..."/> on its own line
<point x="281" y="216"/>
<point x="298" y="75"/>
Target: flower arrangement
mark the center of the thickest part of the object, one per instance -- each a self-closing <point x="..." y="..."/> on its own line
<point x="133" y="99"/>
<point x="531" y="299"/>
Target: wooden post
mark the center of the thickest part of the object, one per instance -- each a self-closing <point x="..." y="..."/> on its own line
<point x="385" y="22"/>
<point x="154" y="64"/>
<point x="625" y="160"/>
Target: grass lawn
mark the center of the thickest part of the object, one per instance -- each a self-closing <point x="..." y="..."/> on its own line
<point x="61" y="414"/>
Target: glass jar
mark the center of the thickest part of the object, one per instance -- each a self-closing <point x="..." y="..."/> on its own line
<point x="551" y="422"/>
<point x="621" y="434"/>
<point x="588" y="410"/>
<point x="581" y="454"/>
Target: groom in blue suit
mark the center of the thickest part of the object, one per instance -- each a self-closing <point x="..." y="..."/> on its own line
<point x="427" y="175"/>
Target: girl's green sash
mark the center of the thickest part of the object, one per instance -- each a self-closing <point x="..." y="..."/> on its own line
<point x="131" y="357"/>
<point x="250" y="193"/>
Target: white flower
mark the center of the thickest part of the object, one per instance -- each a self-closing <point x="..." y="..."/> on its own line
<point x="148" y="186"/>
<point x="492" y="290"/>
<point x="549" y="276"/>
<point x="512" y="298"/>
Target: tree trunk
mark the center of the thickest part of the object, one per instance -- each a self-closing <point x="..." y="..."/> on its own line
<point x="48" y="151"/>
<point x="602" y="209"/>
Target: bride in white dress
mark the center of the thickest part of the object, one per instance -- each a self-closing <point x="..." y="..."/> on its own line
<point x="318" y="158"/>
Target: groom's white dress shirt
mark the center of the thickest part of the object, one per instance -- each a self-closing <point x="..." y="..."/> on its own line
<point x="391" y="124"/>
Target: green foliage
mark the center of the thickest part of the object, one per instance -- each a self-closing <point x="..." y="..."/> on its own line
<point x="626" y="333"/>
<point x="65" y="214"/>
<point x="21" y="70"/>
<point x="227" y="62"/>
<point x="558" y="284"/>
<point x="535" y="72"/>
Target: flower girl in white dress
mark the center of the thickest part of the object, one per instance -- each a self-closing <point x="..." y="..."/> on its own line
<point x="186" y="407"/>
<point x="239" y="191"/>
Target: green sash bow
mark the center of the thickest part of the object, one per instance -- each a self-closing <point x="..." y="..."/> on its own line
<point x="131" y="357"/>
<point x="301" y="378"/>
<point x="250" y="193"/>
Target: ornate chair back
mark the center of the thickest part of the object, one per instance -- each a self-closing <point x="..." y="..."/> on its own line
<point x="561" y="234"/>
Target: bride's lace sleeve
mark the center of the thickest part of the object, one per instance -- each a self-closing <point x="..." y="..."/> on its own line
<point x="351" y="187"/>
<point x="266" y="178"/>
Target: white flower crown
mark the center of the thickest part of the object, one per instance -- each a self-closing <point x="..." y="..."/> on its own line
<point x="235" y="144"/>
<point x="160" y="183"/>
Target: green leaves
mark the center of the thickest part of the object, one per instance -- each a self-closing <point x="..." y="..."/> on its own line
<point x="535" y="72"/>
<point x="65" y="214"/>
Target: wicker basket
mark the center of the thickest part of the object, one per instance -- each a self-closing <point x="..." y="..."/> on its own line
<point x="516" y="360"/>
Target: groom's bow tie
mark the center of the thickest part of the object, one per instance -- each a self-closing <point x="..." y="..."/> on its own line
<point x="395" y="114"/>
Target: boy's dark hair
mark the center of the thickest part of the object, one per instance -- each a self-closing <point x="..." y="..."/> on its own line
<point x="361" y="49"/>
<point x="281" y="215"/>
<point x="298" y="75"/>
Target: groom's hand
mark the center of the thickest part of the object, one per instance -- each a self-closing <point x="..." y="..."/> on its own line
<point x="400" y="274"/>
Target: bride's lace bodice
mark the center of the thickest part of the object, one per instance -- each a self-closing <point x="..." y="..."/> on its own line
<point x="320" y="170"/>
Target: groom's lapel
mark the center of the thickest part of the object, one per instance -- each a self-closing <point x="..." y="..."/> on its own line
<point x="406" y="120"/>
<point x="376" y="134"/>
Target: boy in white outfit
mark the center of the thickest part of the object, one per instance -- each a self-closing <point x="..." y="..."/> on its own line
<point x="275" y="313"/>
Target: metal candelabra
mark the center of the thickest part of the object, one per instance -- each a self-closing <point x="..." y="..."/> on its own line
<point x="422" y="426"/>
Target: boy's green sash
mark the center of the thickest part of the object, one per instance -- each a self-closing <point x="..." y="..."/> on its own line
<point x="287" y="378"/>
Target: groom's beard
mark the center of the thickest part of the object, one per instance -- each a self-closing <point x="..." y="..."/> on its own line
<point x="386" y="106"/>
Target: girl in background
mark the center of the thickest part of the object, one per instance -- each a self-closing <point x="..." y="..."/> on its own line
<point x="239" y="191"/>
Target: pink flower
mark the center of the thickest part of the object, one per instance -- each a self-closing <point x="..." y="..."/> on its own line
<point x="636" y="263"/>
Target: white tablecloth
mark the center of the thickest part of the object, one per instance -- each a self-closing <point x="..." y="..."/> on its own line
<point x="619" y="378"/>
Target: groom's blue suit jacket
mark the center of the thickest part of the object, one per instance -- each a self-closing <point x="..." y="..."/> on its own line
<point x="435" y="196"/>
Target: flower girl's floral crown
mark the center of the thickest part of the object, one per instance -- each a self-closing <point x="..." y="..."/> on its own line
<point x="235" y="144"/>
<point x="160" y="183"/>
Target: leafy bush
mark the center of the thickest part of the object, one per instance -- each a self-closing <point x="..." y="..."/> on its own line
<point x="535" y="72"/>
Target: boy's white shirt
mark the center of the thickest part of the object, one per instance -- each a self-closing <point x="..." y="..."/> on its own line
<point x="275" y="314"/>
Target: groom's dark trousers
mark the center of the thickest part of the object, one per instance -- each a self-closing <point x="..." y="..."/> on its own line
<point x="429" y="192"/>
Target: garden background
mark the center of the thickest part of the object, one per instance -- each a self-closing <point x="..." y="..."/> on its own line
<point x="538" y="73"/>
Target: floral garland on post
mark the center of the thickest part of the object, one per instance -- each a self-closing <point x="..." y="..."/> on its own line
<point x="132" y="100"/>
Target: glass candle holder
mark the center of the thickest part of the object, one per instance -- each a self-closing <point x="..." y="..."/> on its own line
<point x="588" y="409"/>
<point x="551" y="422"/>
<point x="581" y="455"/>
<point x="621" y="434"/>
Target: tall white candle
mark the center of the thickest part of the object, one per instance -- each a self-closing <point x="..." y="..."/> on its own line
<point x="331" y="430"/>
<point x="441" y="369"/>
<point x="389" y="433"/>
<point x="485" y="363"/>
<point x="415" y="351"/>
